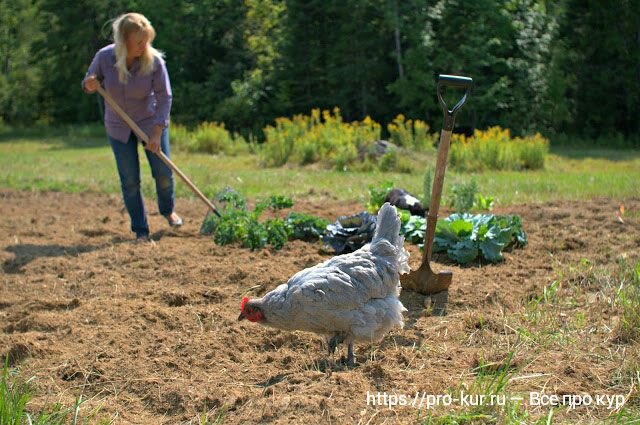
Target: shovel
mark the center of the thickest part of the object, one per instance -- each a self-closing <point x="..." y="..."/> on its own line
<point x="424" y="280"/>
<point x="142" y="136"/>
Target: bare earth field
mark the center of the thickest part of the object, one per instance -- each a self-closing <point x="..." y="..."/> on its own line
<point x="149" y="333"/>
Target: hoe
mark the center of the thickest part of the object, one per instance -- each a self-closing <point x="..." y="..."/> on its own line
<point x="424" y="280"/>
<point x="142" y="136"/>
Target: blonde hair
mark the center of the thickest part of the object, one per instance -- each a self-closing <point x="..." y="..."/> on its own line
<point x="123" y="27"/>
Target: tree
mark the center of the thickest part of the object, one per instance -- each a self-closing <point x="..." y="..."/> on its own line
<point x="598" y="49"/>
<point x="21" y="27"/>
<point x="338" y="53"/>
<point x="254" y="99"/>
<point x="205" y="52"/>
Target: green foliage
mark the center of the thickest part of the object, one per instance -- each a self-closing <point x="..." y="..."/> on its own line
<point x="464" y="237"/>
<point x="278" y="232"/>
<point x="212" y="138"/>
<point x="388" y="161"/>
<point x="278" y="202"/>
<point x="305" y="226"/>
<point x="464" y="196"/>
<point x="232" y="197"/>
<point x="628" y="297"/>
<point x="21" y="29"/>
<point x="483" y="203"/>
<point x="495" y="149"/>
<point x="334" y="53"/>
<point x="319" y="137"/>
<point x="238" y="224"/>
<point x="594" y="72"/>
<point x="412" y="134"/>
<point x="13" y="398"/>
<point x="427" y="187"/>
<point x="377" y="194"/>
<point x="16" y="394"/>
<point x="253" y="100"/>
<point x="548" y="67"/>
<point x="413" y="230"/>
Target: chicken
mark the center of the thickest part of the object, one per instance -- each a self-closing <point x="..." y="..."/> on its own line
<point x="349" y="298"/>
<point x="405" y="201"/>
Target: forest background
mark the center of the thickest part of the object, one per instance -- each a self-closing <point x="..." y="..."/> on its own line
<point x="569" y="69"/>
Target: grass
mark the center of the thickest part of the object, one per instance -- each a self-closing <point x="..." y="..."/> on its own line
<point x="77" y="159"/>
<point x="560" y="319"/>
<point x="16" y="394"/>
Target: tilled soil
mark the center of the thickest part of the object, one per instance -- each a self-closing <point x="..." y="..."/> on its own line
<point x="149" y="333"/>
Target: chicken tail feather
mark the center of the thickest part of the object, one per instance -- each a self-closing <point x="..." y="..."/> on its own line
<point x="388" y="229"/>
<point x="388" y="224"/>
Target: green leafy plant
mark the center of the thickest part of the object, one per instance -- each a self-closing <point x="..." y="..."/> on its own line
<point x="465" y="237"/>
<point x="277" y="232"/>
<point x="377" y="194"/>
<point x="238" y="224"/>
<point x="322" y="137"/>
<point x="275" y="202"/>
<point x="464" y="196"/>
<point x="413" y="230"/>
<point x="305" y="227"/>
<point x="254" y="234"/>
<point x="388" y="161"/>
<point x="230" y="196"/>
<point x="483" y="203"/>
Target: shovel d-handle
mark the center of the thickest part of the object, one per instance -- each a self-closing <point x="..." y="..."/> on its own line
<point x="443" y="153"/>
<point x="458" y="82"/>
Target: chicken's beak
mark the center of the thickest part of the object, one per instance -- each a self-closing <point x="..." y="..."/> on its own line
<point x="242" y="316"/>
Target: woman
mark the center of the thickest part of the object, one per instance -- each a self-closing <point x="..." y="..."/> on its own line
<point x="135" y="75"/>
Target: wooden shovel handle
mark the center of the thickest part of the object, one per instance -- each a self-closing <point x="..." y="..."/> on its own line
<point x="444" y="80"/>
<point x="142" y="136"/>
<point x="436" y="193"/>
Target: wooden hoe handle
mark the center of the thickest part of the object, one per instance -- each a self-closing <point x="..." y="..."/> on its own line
<point x="142" y="136"/>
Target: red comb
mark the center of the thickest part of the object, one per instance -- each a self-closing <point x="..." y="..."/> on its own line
<point x="244" y="302"/>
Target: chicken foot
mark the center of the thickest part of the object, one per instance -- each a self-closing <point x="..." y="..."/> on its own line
<point x="333" y="344"/>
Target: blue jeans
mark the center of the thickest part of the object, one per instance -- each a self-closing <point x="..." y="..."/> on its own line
<point x="126" y="155"/>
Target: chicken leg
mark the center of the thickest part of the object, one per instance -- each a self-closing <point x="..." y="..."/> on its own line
<point x="351" y="361"/>
<point x="334" y="342"/>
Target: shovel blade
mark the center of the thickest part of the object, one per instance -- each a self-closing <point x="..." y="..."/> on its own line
<point x="434" y="285"/>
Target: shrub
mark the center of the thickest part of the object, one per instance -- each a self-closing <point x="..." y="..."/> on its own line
<point x="411" y="134"/>
<point x="320" y="137"/>
<point x="464" y="195"/>
<point x="180" y="137"/>
<point x="495" y="149"/>
<point x="208" y="137"/>
<point x="388" y="161"/>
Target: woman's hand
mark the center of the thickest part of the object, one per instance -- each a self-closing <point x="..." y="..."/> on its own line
<point x="91" y="84"/>
<point x="153" y="144"/>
